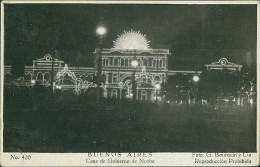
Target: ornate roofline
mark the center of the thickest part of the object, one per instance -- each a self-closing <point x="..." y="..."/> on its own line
<point x="48" y="58"/>
<point x="223" y="62"/>
<point x="134" y="51"/>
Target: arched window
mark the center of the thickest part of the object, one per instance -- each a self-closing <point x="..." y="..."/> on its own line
<point x="160" y="64"/>
<point x="83" y="77"/>
<point x="139" y="61"/>
<point x="144" y="79"/>
<point x="154" y="64"/>
<point x="143" y="95"/>
<point x="114" y="93"/>
<point x="28" y="76"/>
<point x="107" y="61"/>
<point x="39" y="77"/>
<point x="163" y="63"/>
<point x="145" y="62"/>
<point x="115" y="61"/>
<point x="149" y="62"/>
<point x="157" y="63"/>
<point x="115" y="78"/>
<point x="126" y="62"/>
<point x="157" y="78"/>
<point x="47" y="77"/>
<point x="111" y="62"/>
<point x="122" y="62"/>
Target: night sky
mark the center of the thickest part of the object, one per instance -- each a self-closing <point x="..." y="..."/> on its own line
<point x="207" y="31"/>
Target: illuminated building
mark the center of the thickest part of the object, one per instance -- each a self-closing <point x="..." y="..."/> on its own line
<point x="152" y="67"/>
<point x="150" y="74"/>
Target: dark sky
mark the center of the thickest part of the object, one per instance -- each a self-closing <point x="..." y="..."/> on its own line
<point x="208" y="31"/>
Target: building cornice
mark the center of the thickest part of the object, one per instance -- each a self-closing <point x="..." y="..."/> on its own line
<point x="135" y="51"/>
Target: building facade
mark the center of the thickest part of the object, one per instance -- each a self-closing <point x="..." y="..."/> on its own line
<point x="152" y="67"/>
<point x="117" y="71"/>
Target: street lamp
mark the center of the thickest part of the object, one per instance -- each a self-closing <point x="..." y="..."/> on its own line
<point x="134" y="64"/>
<point x="31" y="89"/>
<point x="195" y="79"/>
<point x="100" y="32"/>
<point x="58" y="86"/>
<point x="157" y="88"/>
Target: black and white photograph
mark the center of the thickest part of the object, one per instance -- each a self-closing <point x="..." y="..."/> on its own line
<point x="129" y="78"/>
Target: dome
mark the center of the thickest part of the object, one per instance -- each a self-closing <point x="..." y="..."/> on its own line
<point x="131" y="40"/>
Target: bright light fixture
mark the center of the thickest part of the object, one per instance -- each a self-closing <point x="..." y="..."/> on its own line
<point x="134" y="63"/>
<point x="157" y="86"/>
<point x="101" y="31"/>
<point x="131" y="95"/>
<point x="251" y="101"/>
<point x="58" y="86"/>
<point x="33" y="81"/>
<point x="196" y="78"/>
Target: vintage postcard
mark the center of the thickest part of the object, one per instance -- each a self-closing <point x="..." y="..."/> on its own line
<point x="129" y="83"/>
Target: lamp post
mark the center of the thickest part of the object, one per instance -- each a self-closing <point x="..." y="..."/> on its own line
<point x="134" y="64"/>
<point x="188" y="95"/>
<point x="157" y="88"/>
<point x="52" y="73"/>
<point x="195" y="79"/>
<point x="101" y="32"/>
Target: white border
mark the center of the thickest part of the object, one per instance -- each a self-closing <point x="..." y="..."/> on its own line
<point x="129" y="2"/>
<point x="2" y="79"/>
<point x="79" y="159"/>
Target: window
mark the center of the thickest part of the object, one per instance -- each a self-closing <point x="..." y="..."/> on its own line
<point x="157" y="78"/>
<point x="115" y="61"/>
<point x="157" y="63"/>
<point x="126" y="62"/>
<point x="161" y="63"/>
<point x="144" y="79"/>
<point x="111" y="62"/>
<point x="107" y="61"/>
<point x="145" y="62"/>
<point x="122" y="62"/>
<point x="154" y="64"/>
<point x="115" y="78"/>
<point x="143" y="95"/>
<point x="139" y="62"/>
<point x="39" y="77"/>
<point x="114" y="93"/>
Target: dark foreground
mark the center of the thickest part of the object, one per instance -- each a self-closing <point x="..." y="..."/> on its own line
<point x="121" y="128"/>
